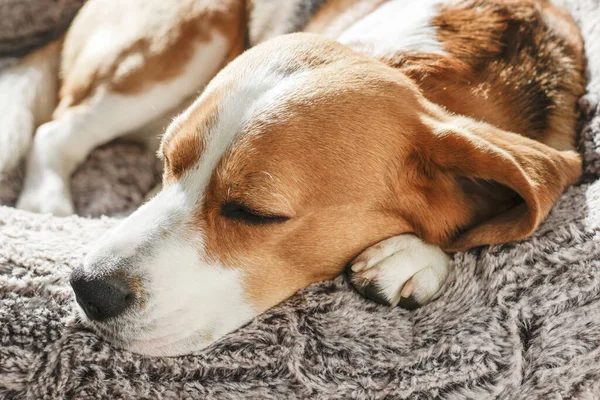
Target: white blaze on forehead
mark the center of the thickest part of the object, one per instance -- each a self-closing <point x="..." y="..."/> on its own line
<point x="249" y="93"/>
<point x="398" y="25"/>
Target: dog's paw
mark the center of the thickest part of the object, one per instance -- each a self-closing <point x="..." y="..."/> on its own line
<point x="402" y="270"/>
<point x="48" y="196"/>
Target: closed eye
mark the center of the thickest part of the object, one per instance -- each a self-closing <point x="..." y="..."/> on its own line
<point x="239" y="212"/>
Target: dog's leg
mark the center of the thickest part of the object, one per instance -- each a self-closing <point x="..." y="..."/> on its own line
<point x="62" y="144"/>
<point x="402" y="270"/>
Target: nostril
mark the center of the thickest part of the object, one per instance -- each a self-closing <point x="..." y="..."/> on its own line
<point x="101" y="297"/>
<point x="91" y="309"/>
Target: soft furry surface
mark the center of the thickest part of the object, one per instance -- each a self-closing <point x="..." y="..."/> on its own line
<point x="517" y="321"/>
<point x="28" y="24"/>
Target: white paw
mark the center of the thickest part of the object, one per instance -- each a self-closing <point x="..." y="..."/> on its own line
<point x="402" y="270"/>
<point x="48" y="195"/>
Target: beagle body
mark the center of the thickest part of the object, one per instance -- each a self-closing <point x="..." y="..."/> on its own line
<point x="379" y="134"/>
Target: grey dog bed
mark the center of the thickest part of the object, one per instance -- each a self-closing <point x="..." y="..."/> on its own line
<point x="29" y="24"/>
<point x="514" y="321"/>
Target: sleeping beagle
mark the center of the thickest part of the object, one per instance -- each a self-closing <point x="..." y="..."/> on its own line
<point x="381" y="135"/>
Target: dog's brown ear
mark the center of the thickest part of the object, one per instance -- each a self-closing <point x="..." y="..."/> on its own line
<point x="484" y="185"/>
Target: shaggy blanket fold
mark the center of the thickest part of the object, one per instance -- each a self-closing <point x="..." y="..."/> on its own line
<point x="513" y="321"/>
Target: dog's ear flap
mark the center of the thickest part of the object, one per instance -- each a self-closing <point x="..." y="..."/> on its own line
<point x="498" y="185"/>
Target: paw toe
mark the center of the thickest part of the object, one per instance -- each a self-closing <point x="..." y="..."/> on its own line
<point x="371" y="289"/>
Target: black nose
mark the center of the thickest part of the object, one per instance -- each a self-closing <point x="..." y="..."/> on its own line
<point x="101" y="298"/>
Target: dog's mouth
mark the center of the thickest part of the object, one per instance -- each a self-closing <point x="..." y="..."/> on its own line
<point x="110" y="331"/>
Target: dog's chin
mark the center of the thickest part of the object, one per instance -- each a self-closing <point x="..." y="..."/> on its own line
<point x="131" y="337"/>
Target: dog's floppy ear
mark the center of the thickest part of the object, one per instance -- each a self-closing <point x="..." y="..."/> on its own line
<point x="484" y="185"/>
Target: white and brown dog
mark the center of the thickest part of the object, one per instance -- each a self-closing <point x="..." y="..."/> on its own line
<point x="384" y="135"/>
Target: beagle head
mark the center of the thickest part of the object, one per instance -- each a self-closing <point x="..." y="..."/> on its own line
<point x="300" y="154"/>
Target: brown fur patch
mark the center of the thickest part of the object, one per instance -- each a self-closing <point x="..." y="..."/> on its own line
<point x="506" y="66"/>
<point x="184" y="144"/>
<point x="148" y="59"/>
<point x="486" y="185"/>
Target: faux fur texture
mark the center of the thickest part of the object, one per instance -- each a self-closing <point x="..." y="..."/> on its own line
<point x="28" y="24"/>
<point x="516" y="321"/>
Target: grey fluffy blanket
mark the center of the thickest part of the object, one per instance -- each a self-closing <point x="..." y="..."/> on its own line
<point x="28" y="24"/>
<point x="516" y="321"/>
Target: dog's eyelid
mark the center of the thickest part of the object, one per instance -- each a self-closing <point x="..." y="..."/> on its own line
<point x="238" y="211"/>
